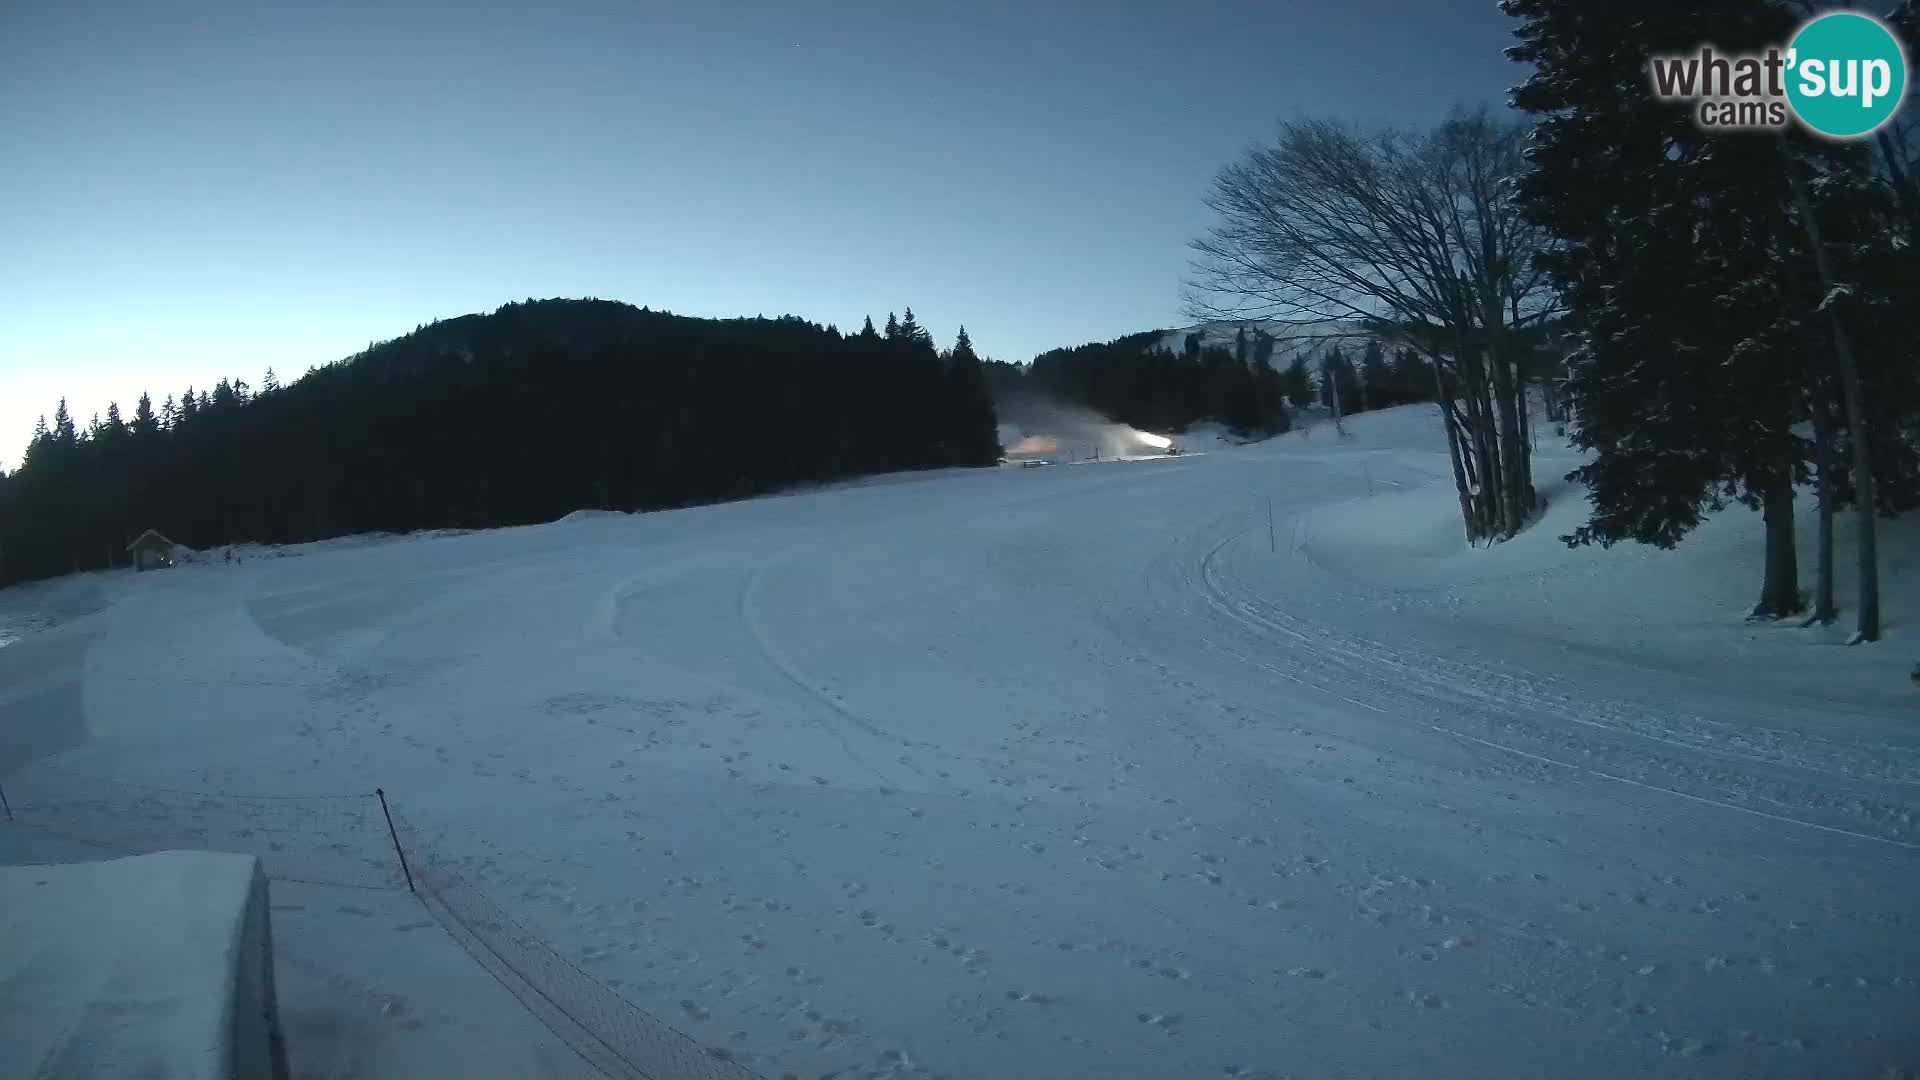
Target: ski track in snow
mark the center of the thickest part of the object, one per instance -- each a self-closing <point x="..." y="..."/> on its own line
<point x="765" y="648"/>
<point x="1053" y="772"/>
<point x="1508" y="702"/>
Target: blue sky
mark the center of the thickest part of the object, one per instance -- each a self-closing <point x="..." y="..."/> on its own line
<point x="203" y="189"/>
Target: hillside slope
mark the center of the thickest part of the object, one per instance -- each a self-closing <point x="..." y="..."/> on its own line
<point x="1237" y="763"/>
<point x="507" y="418"/>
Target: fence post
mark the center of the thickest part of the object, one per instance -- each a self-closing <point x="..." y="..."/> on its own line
<point x="382" y="792"/>
<point x="4" y="805"/>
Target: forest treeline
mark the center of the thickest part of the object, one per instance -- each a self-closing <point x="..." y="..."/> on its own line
<point x="517" y="416"/>
<point x="1253" y="386"/>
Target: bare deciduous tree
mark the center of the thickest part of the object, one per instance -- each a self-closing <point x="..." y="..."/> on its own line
<point x="1338" y="233"/>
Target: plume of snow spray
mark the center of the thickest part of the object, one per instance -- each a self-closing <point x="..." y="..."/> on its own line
<point x="1040" y="427"/>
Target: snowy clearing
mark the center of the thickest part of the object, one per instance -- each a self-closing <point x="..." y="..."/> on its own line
<point x="1073" y="772"/>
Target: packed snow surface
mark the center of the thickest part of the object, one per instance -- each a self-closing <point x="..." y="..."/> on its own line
<point x="1232" y="764"/>
<point x="124" y="967"/>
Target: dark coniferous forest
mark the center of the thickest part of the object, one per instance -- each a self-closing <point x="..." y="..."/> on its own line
<point x="1134" y="380"/>
<point x="1131" y="380"/>
<point x="518" y="416"/>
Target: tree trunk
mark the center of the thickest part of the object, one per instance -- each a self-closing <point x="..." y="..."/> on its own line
<point x="1515" y="499"/>
<point x="1483" y="465"/>
<point x="1445" y="402"/>
<point x="1780" y="591"/>
<point x="1868" y="624"/>
<point x="1463" y="482"/>
<point x="1526" y="425"/>
<point x="1823" y="606"/>
<point x="1333" y="391"/>
<point x="1523" y="451"/>
<point x="1492" y="484"/>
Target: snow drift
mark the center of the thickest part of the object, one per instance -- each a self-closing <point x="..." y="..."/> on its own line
<point x="157" y="966"/>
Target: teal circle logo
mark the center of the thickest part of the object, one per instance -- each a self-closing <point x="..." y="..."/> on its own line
<point x="1847" y="74"/>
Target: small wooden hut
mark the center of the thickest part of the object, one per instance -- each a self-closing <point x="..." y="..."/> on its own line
<point x="151" y="551"/>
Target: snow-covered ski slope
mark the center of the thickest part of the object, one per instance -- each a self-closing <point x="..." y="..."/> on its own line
<point x="1070" y="772"/>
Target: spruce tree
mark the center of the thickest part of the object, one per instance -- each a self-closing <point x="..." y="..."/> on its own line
<point x="976" y="433"/>
<point x="1376" y="390"/>
<point x="1339" y="386"/>
<point x="64" y="434"/>
<point x="912" y="332"/>
<point x="1670" y="245"/>
<point x="1263" y="344"/>
<point x="42" y="439"/>
<point x="1298" y="382"/>
<point x="144" y="422"/>
<point x="1412" y="377"/>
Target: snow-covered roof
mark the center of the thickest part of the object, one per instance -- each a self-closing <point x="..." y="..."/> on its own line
<point x="151" y="536"/>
